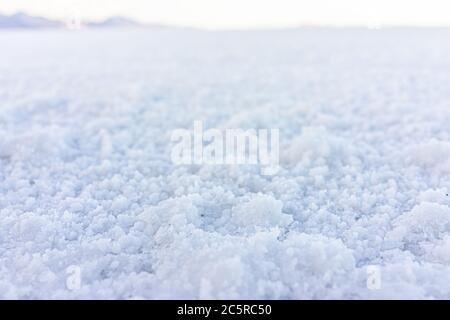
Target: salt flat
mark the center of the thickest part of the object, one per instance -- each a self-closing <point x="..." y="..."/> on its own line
<point x="86" y="178"/>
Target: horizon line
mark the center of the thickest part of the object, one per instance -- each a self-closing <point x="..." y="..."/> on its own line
<point x="143" y="25"/>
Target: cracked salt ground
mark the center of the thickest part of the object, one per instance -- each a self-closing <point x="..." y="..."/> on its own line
<point x="86" y="178"/>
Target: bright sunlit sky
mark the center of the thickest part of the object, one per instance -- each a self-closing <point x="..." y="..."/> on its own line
<point x="233" y="14"/>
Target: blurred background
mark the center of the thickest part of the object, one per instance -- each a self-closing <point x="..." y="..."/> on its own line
<point x="236" y="14"/>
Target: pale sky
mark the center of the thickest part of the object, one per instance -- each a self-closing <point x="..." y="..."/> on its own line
<point x="238" y="14"/>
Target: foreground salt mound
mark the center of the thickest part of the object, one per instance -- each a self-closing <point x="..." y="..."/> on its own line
<point x="86" y="179"/>
<point x="258" y="266"/>
<point x="313" y="144"/>
<point x="427" y="221"/>
<point x="260" y="211"/>
<point x="433" y="155"/>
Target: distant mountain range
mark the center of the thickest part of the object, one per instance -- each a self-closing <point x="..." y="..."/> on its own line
<point x="113" y="22"/>
<point x="24" y="21"/>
